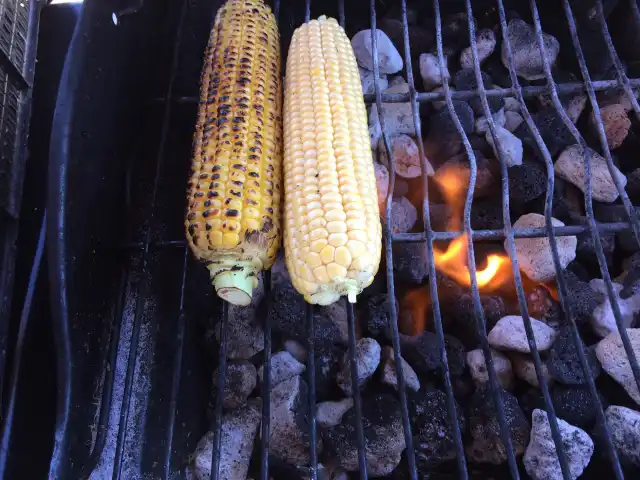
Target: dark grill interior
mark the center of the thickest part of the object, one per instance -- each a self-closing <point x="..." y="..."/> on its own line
<point x="134" y="315"/>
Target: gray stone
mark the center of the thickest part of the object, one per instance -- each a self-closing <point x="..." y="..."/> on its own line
<point x="389" y="59"/>
<point x="541" y="458"/>
<point x="398" y="117"/>
<point x="485" y="43"/>
<point x="390" y="376"/>
<point x="245" y="336"/>
<point x="406" y="157"/>
<point x="501" y="364"/>
<point x="509" y="334"/>
<point x="240" y="380"/>
<point x="329" y="414"/>
<point x="525" y="369"/>
<point x="603" y="321"/>
<point x="614" y="361"/>
<point x="396" y="80"/>
<point x="534" y="254"/>
<point x="238" y="432"/>
<point x="527" y="61"/>
<point x="512" y="120"/>
<point x="511" y="105"/>
<point x="431" y="72"/>
<point x="625" y="430"/>
<point x="510" y="145"/>
<point x="571" y="166"/>
<point x="367" y="360"/>
<point x="367" y="77"/>
<point x="403" y="215"/>
<point x="283" y="367"/>
<point x="296" y="349"/>
<point x="289" y="417"/>
<point x="482" y="125"/>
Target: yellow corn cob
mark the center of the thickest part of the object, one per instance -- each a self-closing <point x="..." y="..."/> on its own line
<point x="332" y="224"/>
<point x="233" y="213"/>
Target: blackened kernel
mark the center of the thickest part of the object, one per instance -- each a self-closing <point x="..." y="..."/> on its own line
<point x="191" y="216"/>
<point x="199" y="194"/>
<point x="231" y="212"/>
<point x="206" y="213"/>
<point x="208" y="226"/>
<point x="215" y="176"/>
<point x="239" y="166"/>
<point x="237" y="183"/>
<point x="207" y="203"/>
<point x="215" y="168"/>
<point x="254" y="174"/>
<point x="237" y="194"/>
<point x="212" y="194"/>
<point x="227" y="201"/>
<point x="204" y="175"/>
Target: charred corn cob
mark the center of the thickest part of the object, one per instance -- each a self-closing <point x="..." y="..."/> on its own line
<point x="332" y="224"/>
<point x="233" y="217"/>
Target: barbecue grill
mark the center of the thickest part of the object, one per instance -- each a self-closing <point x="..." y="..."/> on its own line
<point x="133" y="314"/>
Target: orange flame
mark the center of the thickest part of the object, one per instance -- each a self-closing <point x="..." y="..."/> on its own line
<point x="453" y="261"/>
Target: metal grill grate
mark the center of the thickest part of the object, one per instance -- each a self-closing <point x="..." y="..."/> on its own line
<point x="428" y="236"/>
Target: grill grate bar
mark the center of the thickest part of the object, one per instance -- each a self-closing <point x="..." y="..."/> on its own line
<point x="265" y="392"/>
<point x="508" y="230"/>
<point x="355" y="390"/>
<point x="479" y="313"/>
<point x="222" y="369"/>
<point x="311" y="376"/>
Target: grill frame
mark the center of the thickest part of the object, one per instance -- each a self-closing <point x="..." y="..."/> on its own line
<point x="149" y="244"/>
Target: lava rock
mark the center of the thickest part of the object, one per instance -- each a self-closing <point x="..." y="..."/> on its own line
<point x="541" y="458"/>
<point x="443" y="140"/>
<point x="624" y="424"/>
<point x="406" y="157"/>
<point x="283" y="367"/>
<point x="616" y="124"/>
<point x="460" y="313"/>
<point x="410" y="262"/>
<point x="501" y="364"/>
<point x="456" y="355"/>
<point x="527" y="58"/>
<point x="327" y="362"/>
<point x="420" y="39"/>
<point x="526" y="182"/>
<point x="575" y="405"/>
<point x="367" y="358"/>
<point x="485" y="43"/>
<point x="571" y="165"/>
<point x="389" y="375"/>
<point x="434" y="439"/>
<point x="465" y="79"/>
<point x="534" y="254"/>
<point x="244" y="333"/>
<point x="613" y="358"/>
<point x="510" y="334"/>
<point x="239" y="382"/>
<point x="238" y="432"/>
<point x="287" y="314"/>
<point x="422" y="351"/>
<point x="617" y="213"/>
<point x="329" y="414"/>
<point x="384" y="438"/>
<point x="544" y="307"/>
<point x="460" y="167"/>
<point x="296" y="350"/>
<point x="367" y="78"/>
<point x="289" y="419"/>
<point x="403" y="215"/>
<point x="431" y="72"/>
<point x="389" y="59"/>
<point x="486" y="214"/>
<point x="377" y="314"/>
<point x="486" y="443"/>
<point x="510" y="145"/>
<point x="603" y="321"/>
<point x="382" y="184"/>
<point x="586" y="249"/>
<point x="563" y="361"/>
<point x="582" y="299"/>
<point x="482" y="123"/>
<point x="525" y="369"/>
<point x="552" y="129"/>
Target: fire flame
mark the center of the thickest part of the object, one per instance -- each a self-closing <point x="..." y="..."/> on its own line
<point x="452" y="262"/>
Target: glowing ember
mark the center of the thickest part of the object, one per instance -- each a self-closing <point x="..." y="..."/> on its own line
<point x="453" y="261"/>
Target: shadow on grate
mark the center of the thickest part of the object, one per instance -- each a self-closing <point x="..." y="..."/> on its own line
<point x="546" y="118"/>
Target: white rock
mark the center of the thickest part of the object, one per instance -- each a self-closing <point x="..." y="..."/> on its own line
<point x="602" y="319"/>
<point x="296" y="350"/>
<point x="382" y="184"/>
<point x="283" y="367"/>
<point x="510" y="145"/>
<point x="238" y="432"/>
<point x="389" y="374"/>
<point x="367" y="361"/>
<point x="389" y="59"/>
<point x="367" y="78"/>
<point x="396" y="80"/>
<point x="541" y="458"/>
<point x="406" y="157"/>
<point x="403" y="215"/>
<point x="527" y="60"/>
<point x="511" y="105"/>
<point x="525" y="369"/>
<point x="329" y="414"/>
<point x="398" y="117"/>
<point x="512" y="120"/>
<point x="485" y="43"/>
<point x="571" y="166"/>
<point x="430" y="71"/>
<point x="534" y="254"/>
<point x="613" y="358"/>
<point x="482" y="125"/>
<point x="501" y="364"/>
<point x="240" y="380"/>
<point x="624" y="424"/>
<point x="509" y="334"/>
<point x="289" y="436"/>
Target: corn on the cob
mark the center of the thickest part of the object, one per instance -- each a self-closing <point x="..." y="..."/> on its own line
<point x="233" y="213"/>
<point x="332" y="223"/>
